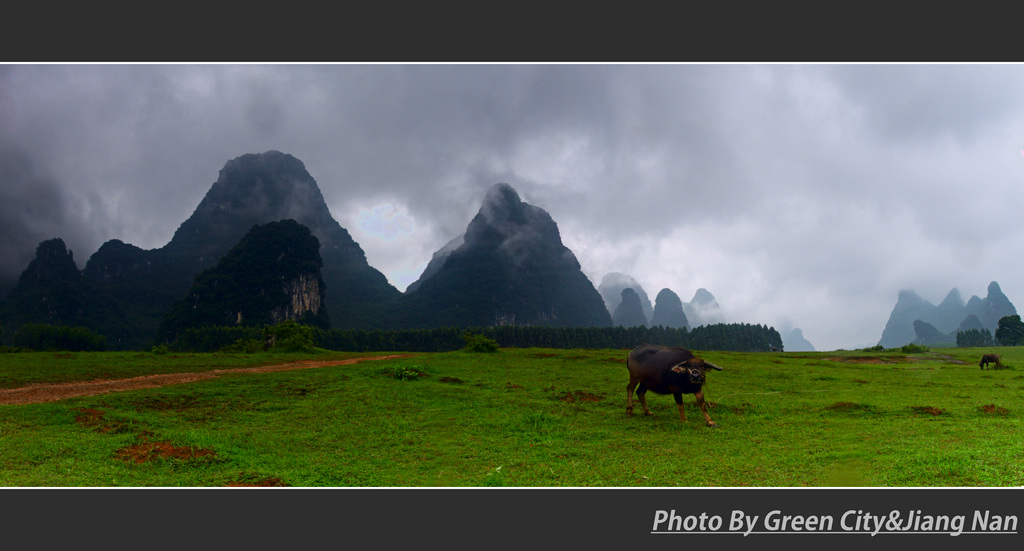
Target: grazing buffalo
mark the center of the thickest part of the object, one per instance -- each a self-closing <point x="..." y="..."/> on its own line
<point x="665" y="370"/>
<point x="990" y="358"/>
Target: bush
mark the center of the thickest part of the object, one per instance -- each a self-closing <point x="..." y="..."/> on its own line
<point x="410" y="373"/>
<point x="476" y="342"/>
<point x="913" y="349"/>
<point x="404" y="372"/>
<point x="289" y="336"/>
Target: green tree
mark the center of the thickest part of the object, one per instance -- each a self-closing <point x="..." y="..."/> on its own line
<point x="289" y="336"/>
<point x="1010" y="331"/>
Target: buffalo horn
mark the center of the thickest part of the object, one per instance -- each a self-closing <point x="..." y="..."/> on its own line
<point x="712" y="366"/>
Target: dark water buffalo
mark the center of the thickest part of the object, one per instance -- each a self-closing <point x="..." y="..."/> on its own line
<point x="990" y="358"/>
<point x="665" y="370"/>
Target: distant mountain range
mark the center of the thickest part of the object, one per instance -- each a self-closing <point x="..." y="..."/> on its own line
<point x="702" y="309"/>
<point x="627" y="300"/>
<point x="509" y="267"/>
<point x="915" y="320"/>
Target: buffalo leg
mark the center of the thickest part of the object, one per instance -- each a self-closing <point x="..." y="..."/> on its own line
<point x="629" y="396"/>
<point x="703" y="408"/>
<point x="679" y="404"/>
<point x="641" y="392"/>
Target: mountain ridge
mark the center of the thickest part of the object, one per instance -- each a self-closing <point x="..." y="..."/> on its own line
<point x="946" y="317"/>
<point x="508" y="268"/>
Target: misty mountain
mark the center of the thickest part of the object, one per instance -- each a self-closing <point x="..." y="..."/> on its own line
<point x="794" y="341"/>
<point x="703" y="309"/>
<point x="969" y="323"/>
<point x="668" y="310"/>
<point x="611" y="287"/>
<point x="946" y="318"/>
<point x="271" y="275"/>
<point x="260" y="188"/>
<point x="510" y="268"/>
<point x="252" y="189"/>
<point x="629" y="312"/>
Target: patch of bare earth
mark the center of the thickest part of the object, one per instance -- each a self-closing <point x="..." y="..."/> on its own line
<point x="929" y="410"/>
<point x="90" y="417"/>
<point x="850" y="407"/>
<point x="36" y="393"/>
<point x="992" y="408"/>
<point x="149" y="451"/>
<point x="580" y="396"/>
<point x="94" y="418"/>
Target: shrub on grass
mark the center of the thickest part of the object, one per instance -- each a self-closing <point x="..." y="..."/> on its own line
<point x="405" y="372"/>
<point x="476" y="342"/>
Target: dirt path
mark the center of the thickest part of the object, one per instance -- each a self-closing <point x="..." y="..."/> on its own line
<point x="42" y="392"/>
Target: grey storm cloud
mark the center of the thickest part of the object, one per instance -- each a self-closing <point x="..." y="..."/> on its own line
<point x="799" y="195"/>
<point x="31" y="206"/>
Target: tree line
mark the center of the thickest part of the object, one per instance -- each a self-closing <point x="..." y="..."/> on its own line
<point x="733" y="337"/>
<point x="44" y="337"/>
<point x="1009" y="332"/>
<point x="724" y="337"/>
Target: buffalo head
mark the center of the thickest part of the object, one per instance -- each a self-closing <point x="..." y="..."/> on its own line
<point x="694" y="368"/>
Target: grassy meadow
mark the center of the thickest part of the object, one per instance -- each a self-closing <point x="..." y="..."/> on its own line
<point x="520" y="417"/>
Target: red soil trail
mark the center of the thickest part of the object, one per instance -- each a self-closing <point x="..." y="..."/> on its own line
<point x="43" y="392"/>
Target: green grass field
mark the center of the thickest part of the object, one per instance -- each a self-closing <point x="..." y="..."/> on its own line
<point x="521" y="417"/>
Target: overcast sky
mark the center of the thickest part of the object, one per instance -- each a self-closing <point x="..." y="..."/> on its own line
<point x="799" y="195"/>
